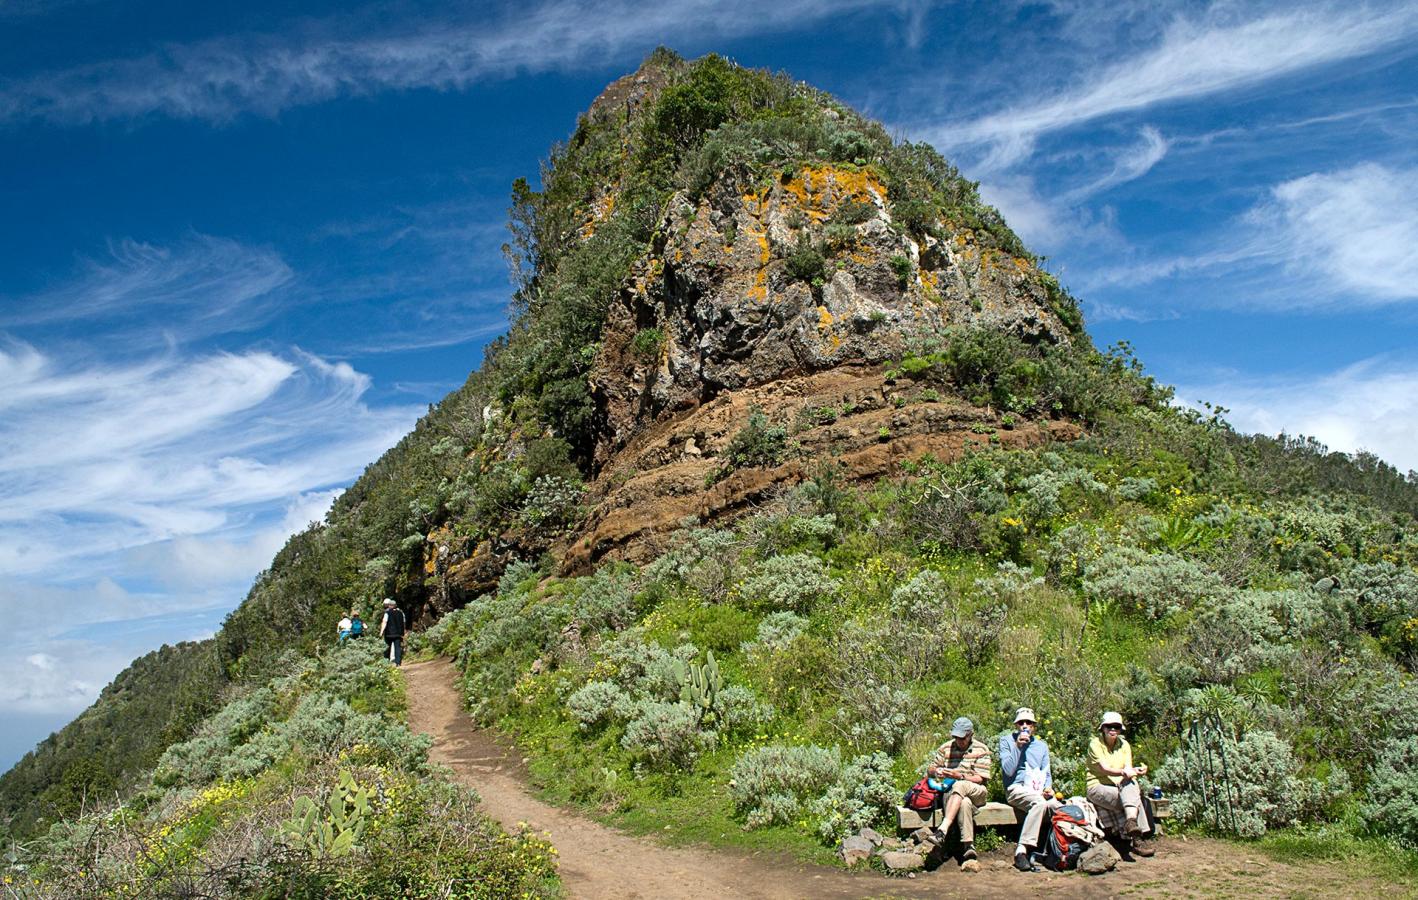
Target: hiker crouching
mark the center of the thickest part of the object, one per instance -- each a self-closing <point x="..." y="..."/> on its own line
<point x="965" y="762"/>
<point x="1112" y="784"/>
<point x="1028" y="783"/>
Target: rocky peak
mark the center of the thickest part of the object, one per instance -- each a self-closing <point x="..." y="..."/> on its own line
<point x="715" y="242"/>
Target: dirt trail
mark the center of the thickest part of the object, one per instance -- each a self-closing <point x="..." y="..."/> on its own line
<point x="601" y="863"/>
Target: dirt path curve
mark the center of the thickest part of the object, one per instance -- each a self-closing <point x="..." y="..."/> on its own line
<point x="601" y="863"/>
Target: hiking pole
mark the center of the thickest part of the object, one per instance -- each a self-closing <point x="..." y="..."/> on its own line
<point x="1195" y="743"/>
<point x="1211" y="774"/>
<point x="1226" y="770"/>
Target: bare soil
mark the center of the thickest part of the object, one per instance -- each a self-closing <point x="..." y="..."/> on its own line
<point x="599" y="862"/>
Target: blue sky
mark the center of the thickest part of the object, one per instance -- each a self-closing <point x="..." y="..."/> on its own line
<point x="246" y="248"/>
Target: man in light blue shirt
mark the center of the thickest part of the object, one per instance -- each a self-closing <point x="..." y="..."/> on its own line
<point x="1028" y="782"/>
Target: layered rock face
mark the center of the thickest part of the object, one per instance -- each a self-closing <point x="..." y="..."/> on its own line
<point x="787" y="290"/>
<point x="730" y="313"/>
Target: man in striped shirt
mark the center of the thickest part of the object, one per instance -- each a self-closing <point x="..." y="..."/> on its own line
<point x="966" y="761"/>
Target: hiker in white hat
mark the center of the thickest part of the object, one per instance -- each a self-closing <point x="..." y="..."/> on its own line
<point x="1112" y="784"/>
<point x="1028" y="782"/>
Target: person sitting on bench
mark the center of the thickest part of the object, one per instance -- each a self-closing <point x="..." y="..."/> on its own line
<point x="1028" y="783"/>
<point x="966" y="760"/>
<point x="1112" y="784"/>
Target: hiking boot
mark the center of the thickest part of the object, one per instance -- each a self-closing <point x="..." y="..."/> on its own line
<point x="1141" y="849"/>
<point x="967" y="853"/>
<point x="1131" y="829"/>
<point x="1022" y="863"/>
<point x="935" y="837"/>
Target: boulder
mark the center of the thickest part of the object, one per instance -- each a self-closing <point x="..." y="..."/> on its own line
<point x="902" y="861"/>
<point x="854" y="850"/>
<point x="871" y="835"/>
<point x="922" y="835"/>
<point x="1099" y="858"/>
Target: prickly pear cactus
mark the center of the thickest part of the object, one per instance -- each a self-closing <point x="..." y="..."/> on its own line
<point x="701" y="686"/>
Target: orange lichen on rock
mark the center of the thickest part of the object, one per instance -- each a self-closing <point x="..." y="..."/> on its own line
<point x="819" y="190"/>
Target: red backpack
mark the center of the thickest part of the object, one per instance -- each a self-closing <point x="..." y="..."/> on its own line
<point x="923" y="798"/>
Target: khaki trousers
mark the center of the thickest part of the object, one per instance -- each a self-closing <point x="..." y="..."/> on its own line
<point x="1032" y="804"/>
<point x="972" y="797"/>
<point x="1125" y="798"/>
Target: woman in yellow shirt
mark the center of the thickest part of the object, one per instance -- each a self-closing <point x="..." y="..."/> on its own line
<point x="1112" y="780"/>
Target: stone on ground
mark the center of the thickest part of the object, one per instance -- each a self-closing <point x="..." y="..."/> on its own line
<point x="871" y="835"/>
<point x="855" y="849"/>
<point x="1099" y="858"/>
<point x="901" y="861"/>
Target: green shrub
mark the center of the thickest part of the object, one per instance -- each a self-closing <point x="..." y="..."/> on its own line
<point x="1155" y="584"/>
<point x="854" y="212"/>
<point x="666" y="736"/>
<point x="740" y="712"/>
<point x="551" y="505"/>
<point x="706" y="560"/>
<point x="647" y="343"/>
<point x="874" y="714"/>
<point x="771" y="785"/>
<point x="805" y="262"/>
<point x="777" y="631"/>
<point x="861" y="796"/>
<point x="837" y="238"/>
<point x="1393" y="783"/>
<point x="795" y="582"/>
<point x="1265" y="784"/>
<point x="598" y="703"/>
<point x="904" y="269"/>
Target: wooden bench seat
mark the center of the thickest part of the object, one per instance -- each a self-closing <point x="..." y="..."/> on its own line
<point x="996" y="814"/>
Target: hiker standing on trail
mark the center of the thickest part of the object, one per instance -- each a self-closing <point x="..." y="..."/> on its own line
<point x="391" y="628"/>
<point x="1028" y="783"/>
<point x="356" y="625"/>
<point x="344" y="628"/>
<point x="1112" y="784"/>
<point x="967" y="761"/>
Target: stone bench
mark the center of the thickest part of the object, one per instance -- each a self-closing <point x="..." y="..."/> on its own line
<point x="909" y="820"/>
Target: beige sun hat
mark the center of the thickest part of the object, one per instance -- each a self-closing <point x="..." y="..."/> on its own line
<point x="1025" y="714"/>
<point x="1112" y="718"/>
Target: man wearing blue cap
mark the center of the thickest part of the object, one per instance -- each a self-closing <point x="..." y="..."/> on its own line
<point x="967" y="761"/>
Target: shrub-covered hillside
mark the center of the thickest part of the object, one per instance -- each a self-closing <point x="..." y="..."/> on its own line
<point x="784" y="391"/>
<point x="1163" y="566"/>
<point x="307" y="785"/>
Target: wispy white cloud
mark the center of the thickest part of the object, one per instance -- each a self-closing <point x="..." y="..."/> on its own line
<point x="222" y="78"/>
<point x="122" y="456"/>
<point x="1194" y="58"/>
<point x="1355" y="229"/>
<point x="1371" y="405"/>
<point x="1130" y="164"/>
<point x="1349" y="236"/>
<point x="143" y="483"/>
<point x="199" y="287"/>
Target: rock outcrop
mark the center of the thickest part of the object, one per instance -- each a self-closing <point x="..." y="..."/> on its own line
<point x="787" y="290"/>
